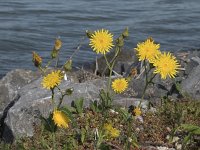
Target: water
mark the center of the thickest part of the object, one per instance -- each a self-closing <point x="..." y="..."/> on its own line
<point x="33" y="25"/>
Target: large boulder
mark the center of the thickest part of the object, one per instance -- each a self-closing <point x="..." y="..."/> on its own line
<point x="12" y="83"/>
<point x="123" y="62"/>
<point x="191" y="85"/>
<point x="35" y="101"/>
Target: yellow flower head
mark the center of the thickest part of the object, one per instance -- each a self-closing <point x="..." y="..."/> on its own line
<point x="37" y="60"/>
<point x="137" y="111"/>
<point x="147" y="50"/>
<point x="112" y="132"/>
<point x="53" y="79"/>
<point x="119" y="85"/>
<point x="101" y="41"/>
<point x="58" y="44"/>
<point x="166" y="65"/>
<point x="60" y="119"/>
<point x="108" y="126"/>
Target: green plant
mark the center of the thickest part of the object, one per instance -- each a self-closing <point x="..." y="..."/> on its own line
<point x="78" y="105"/>
<point x="189" y="132"/>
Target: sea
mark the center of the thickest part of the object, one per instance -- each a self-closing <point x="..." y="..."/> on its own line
<point x="33" y="25"/>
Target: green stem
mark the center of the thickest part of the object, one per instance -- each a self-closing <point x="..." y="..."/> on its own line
<point x="41" y="69"/>
<point x="107" y="63"/>
<point x="49" y="62"/>
<point x="118" y="49"/>
<point x="61" y="98"/>
<point x="129" y="131"/>
<point x="78" y="47"/>
<point x="54" y="141"/>
<point x="52" y="97"/>
<point x="147" y="82"/>
<point x="57" y="60"/>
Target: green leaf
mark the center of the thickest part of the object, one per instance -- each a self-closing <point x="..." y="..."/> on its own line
<point x="191" y="128"/>
<point x="48" y="123"/>
<point x="125" y="114"/>
<point x="186" y="139"/>
<point x="95" y="106"/>
<point x="78" y="105"/>
<point x="83" y="135"/>
<point x="106" y="100"/>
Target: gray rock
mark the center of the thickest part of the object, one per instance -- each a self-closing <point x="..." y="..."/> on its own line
<point x="154" y="92"/>
<point x="126" y="102"/>
<point x="123" y="61"/>
<point x="35" y="101"/>
<point x="12" y="83"/>
<point x="191" y="85"/>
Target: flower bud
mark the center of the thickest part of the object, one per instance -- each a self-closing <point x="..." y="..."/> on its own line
<point x="125" y="32"/>
<point x="68" y="65"/>
<point x="37" y="60"/>
<point x="58" y="44"/>
<point x="89" y="33"/>
<point x="120" y="41"/>
<point x="54" y="53"/>
<point x="69" y="91"/>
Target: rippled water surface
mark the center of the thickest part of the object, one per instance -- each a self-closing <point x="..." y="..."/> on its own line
<point x="33" y="25"/>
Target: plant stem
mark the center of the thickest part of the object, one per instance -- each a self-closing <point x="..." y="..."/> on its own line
<point x="107" y="63"/>
<point x="147" y="82"/>
<point x="54" y="141"/>
<point x="118" y="49"/>
<point x="57" y="60"/>
<point x="61" y="98"/>
<point x="41" y="69"/>
<point x="49" y="62"/>
<point x="78" y="47"/>
<point x="52" y="97"/>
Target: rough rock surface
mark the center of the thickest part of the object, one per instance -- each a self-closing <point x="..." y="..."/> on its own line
<point x="125" y="59"/>
<point x="191" y="85"/>
<point x="12" y="82"/>
<point x="35" y="101"/>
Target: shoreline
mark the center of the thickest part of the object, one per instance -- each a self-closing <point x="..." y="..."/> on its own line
<point x="89" y="65"/>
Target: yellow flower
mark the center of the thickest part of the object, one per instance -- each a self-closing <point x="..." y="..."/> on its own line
<point x="60" y="119"/>
<point x="37" y="60"/>
<point x="137" y="111"/>
<point x="166" y="65"/>
<point x="108" y="126"/>
<point x="53" y="79"/>
<point x="101" y="41"/>
<point x="147" y="50"/>
<point x="112" y="132"/>
<point x="119" y="85"/>
<point x="58" y="44"/>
